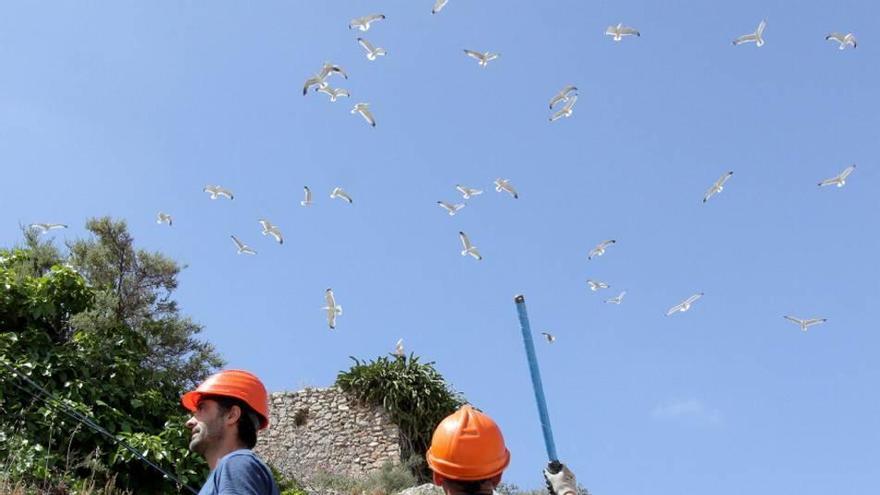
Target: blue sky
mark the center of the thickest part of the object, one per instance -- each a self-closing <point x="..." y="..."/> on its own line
<point x="129" y="108"/>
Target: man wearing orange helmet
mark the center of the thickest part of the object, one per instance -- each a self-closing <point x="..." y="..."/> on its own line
<point x="468" y="455"/>
<point x="228" y="409"/>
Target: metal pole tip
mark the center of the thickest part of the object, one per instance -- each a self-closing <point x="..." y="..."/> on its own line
<point x="519" y="298"/>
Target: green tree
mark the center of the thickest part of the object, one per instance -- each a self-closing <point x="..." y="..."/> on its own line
<point x="414" y="394"/>
<point x="69" y="333"/>
<point x="134" y="287"/>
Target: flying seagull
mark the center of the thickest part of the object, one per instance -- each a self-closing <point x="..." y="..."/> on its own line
<point x="806" y="323"/>
<point x="563" y="95"/>
<point x="46" y="227"/>
<point x="438" y="6"/>
<point x="757" y="37"/>
<point x="840" y="179"/>
<point x="684" y="305"/>
<point x="273" y="230"/>
<point x="619" y="31"/>
<point x="451" y="208"/>
<point x="549" y="337"/>
<point x="242" y="247"/>
<point x="398" y="349"/>
<point x="483" y="58"/>
<point x="599" y="250"/>
<point x="337" y="192"/>
<point x="596" y="285"/>
<point x="334" y="93"/>
<point x="218" y="192"/>
<point x="717" y="187"/>
<point x="363" y="23"/>
<point x="164" y="218"/>
<point x="307" y="200"/>
<point x="616" y="299"/>
<point x="372" y="51"/>
<point x="469" y="249"/>
<point x="504" y="185"/>
<point x="320" y="79"/>
<point x="566" y="110"/>
<point x="364" y="110"/>
<point x="467" y="192"/>
<point x="333" y="310"/>
<point x="843" y="39"/>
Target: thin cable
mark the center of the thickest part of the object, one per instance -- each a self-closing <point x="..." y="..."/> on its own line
<point x="60" y="405"/>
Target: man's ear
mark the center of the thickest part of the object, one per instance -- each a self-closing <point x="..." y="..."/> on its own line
<point x="496" y="480"/>
<point x="232" y="415"/>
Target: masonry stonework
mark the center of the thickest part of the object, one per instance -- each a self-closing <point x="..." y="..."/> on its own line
<point x="315" y="431"/>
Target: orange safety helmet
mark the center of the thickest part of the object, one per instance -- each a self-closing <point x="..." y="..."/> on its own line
<point x="239" y="384"/>
<point x="468" y="446"/>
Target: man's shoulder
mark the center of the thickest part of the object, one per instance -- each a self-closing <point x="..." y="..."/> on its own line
<point x="242" y="472"/>
<point x="242" y="458"/>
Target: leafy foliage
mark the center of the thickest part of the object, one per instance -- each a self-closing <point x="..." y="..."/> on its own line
<point x="94" y="351"/>
<point x="389" y="479"/>
<point x="414" y="394"/>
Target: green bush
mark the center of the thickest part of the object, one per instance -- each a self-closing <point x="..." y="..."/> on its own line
<point x="414" y="394"/>
<point x="98" y="367"/>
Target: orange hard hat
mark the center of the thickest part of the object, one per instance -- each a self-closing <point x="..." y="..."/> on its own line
<point x="467" y="445"/>
<point x="239" y="384"/>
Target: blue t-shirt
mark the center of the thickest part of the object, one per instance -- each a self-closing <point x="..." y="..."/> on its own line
<point x="240" y="472"/>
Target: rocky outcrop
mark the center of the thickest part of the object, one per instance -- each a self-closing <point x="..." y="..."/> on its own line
<point x="314" y="432"/>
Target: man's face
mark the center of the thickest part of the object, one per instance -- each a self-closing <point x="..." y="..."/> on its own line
<point x="207" y="426"/>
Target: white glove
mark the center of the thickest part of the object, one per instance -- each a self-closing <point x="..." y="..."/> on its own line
<point x="560" y="479"/>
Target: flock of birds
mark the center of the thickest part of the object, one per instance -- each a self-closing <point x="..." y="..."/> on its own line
<point x="567" y="96"/>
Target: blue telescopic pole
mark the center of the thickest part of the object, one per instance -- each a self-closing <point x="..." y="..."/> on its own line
<point x="536" y="377"/>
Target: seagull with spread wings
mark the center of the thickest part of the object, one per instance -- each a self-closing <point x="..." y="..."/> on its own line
<point x="242" y="247"/>
<point x="273" y="230"/>
<point x="364" y="110"/>
<point x="467" y="247"/>
<point x="363" y="23"/>
<point x="320" y="79"/>
<point x="333" y="310"/>
<point x="599" y="250"/>
<point x="549" y="337"/>
<point x="398" y="349"/>
<point x="438" y="6"/>
<point x="484" y="58"/>
<point x="804" y="324"/>
<point x="334" y="93"/>
<point x="567" y="110"/>
<point x="307" y="200"/>
<point x="563" y="95"/>
<point x="46" y="227"/>
<point x="372" y="51"/>
<point x="616" y="299"/>
<point x="845" y="40"/>
<point x="451" y="208"/>
<point x="619" y="31"/>
<point x="218" y="192"/>
<point x="467" y="192"/>
<point x="717" y="187"/>
<point x="838" y="180"/>
<point x="684" y="305"/>
<point x="337" y="192"/>
<point x="506" y="186"/>
<point x="164" y="218"/>
<point x="757" y="37"/>
<point x="596" y="285"/>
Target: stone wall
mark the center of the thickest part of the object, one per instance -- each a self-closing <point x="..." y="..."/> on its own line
<point x="323" y="430"/>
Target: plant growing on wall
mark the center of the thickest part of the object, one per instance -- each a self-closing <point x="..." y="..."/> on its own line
<point x="414" y="394"/>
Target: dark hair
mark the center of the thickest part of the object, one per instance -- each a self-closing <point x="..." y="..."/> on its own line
<point x="471" y="487"/>
<point x="248" y="422"/>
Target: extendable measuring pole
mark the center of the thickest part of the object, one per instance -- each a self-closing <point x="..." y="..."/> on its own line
<point x="536" y="377"/>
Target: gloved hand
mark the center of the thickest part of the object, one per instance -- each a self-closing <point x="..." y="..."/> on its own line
<point x="560" y="479"/>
